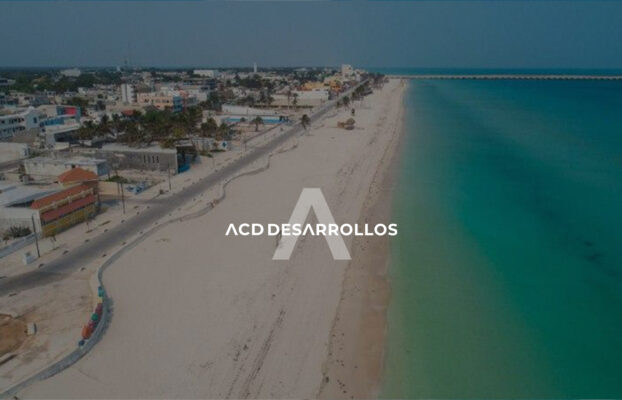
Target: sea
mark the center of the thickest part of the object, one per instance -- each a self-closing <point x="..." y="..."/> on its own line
<point x="506" y="275"/>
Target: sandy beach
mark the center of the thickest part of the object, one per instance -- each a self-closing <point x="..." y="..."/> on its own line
<point x="197" y="314"/>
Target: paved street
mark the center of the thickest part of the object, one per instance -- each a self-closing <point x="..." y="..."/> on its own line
<point x="103" y="243"/>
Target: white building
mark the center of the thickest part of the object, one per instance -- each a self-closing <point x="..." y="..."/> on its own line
<point x="6" y="82"/>
<point x="347" y="71"/>
<point x="71" y="72"/>
<point x="229" y="109"/>
<point x="15" y="202"/>
<point x="13" y="151"/>
<point x="62" y="133"/>
<point x="303" y="98"/>
<point x="128" y="94"/>
<point x="46" y="168"/>
<point x="206" y="73"/>
<point x="18" y="121"/>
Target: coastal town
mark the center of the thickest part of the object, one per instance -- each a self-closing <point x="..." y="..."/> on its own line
<point x="125" y="131"/>
<point x="332" y="200"/>
<point x="93" y="160"/>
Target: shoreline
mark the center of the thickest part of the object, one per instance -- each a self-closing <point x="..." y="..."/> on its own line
<point x="355" y="360"/>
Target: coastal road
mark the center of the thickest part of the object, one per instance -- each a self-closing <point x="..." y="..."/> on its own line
<point x="105" y="242"/>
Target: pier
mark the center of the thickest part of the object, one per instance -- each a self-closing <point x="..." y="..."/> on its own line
<point x="510" y="76"/>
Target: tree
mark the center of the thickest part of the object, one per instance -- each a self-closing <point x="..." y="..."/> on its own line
<point x="305" y="121"/>
<point x="116" y="124"/>
<point x="289" y="96"/>
<point x="346" y="101"/>
<point x="257" y="121"/>
<point x="209" y="128"/>
<point x="190" y="117"/>
<point x="295" y="102"/>
<point x="86" y="131"/>
<point x="80" y="103"/>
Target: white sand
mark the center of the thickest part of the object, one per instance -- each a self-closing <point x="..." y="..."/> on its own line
<point x="199" y="314"/>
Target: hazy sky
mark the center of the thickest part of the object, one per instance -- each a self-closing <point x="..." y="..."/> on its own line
<point x="520" y="34"/>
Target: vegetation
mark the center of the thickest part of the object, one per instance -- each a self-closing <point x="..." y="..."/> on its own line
<point x="117" y="179"/>
<point x="154" y="125"/>
<point x="305" y="121"/>
<point x="16" y="232"/>
<point x="213" y="102"/>
<point x="30" y="81"/>
<point x="257" y="121"/>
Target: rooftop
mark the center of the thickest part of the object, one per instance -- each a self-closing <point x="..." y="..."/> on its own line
<point x="65" y="161"/>
<point x="76" y="175"/>
<point x="20" y="194"/>
<point x="47" y="200"/>
<point x="145" y="149"/>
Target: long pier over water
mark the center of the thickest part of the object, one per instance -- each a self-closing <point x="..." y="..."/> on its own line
<point x="511" y="76"/>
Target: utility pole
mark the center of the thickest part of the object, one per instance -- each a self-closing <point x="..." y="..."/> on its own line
<point x="168" y="169"/>
<point x="122" y="197"/>
<point x="34" y="229"/>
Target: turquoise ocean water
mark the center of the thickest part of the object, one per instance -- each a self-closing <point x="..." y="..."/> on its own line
<point x="507" y="272"/>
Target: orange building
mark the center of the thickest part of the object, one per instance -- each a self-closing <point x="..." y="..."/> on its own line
<point x="65" y="209"/>
<point x="76" y="176"/>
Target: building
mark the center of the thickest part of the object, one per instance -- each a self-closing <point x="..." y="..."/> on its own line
<point x="206" y="73"/>
<point x="347" y="71"/>
<point x="54" y="134"/>
<point x="128" y="94"/>
<point x="304" y="98"/>
<point x="246" y="111"/>
<point x="18" y="121"/>
<point x="59" y="123"/>
<point x="150" y="158"/>
<point x="161" y="101"/>
<point x="6" y="82"/>
<point x="47" y="169"/>
<point x="78" y="176"/>
<point x="13" y="151"/>
<point x="6" y="100"/>
<point x="15" y="201"/>
<point x="65" y="209"/>
<point x="314" y="85"/>
<point x="71" y="72"/>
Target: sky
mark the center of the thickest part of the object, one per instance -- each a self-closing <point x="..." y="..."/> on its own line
<point x="435" y="34"/>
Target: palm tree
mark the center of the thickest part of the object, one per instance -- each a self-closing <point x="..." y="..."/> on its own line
<point x="86" y="131"/>
<point x="289" y="96"/>
<point x="295" y="102"/>
<point x="223" y="131"/>
<point x="192" y="117"/>
<point x="116" y="124"/>
<point x="257" y="121"/>
<point x="208" y="128"/>
<point x="305" y="121"/>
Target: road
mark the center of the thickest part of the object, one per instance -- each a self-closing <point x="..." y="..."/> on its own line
<point x="102" y="244"/>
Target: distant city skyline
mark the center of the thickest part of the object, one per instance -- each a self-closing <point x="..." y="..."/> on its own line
<point x="422" y="34"/>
